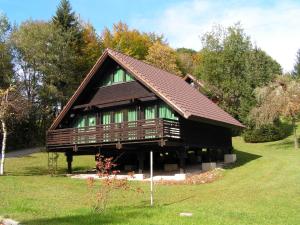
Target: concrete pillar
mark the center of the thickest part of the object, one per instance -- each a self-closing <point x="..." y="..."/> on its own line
<point x="141" y="159"/>
<point x="69" y="156"/>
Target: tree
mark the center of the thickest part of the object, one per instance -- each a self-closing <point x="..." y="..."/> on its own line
<point x="6" y="67"/>
<point x="92" y="45"/>
<point x="45" y="71"/>
<point x="232" y="68"/>
<point x="51" y="59"/>
<point x="129" y="41"/>
<point x="280" y="98"/>
<point x="11" y="107"/>
<point x="187" y="59"/>
<point x="296" y="71"/>
<point x="65" y="17"/>
<point x="163" y="57"/>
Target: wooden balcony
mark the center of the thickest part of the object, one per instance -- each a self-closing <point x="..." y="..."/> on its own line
<point x="125" y="132"/>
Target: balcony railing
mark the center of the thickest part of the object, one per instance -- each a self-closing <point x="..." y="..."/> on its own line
<point x="135" y="131"/>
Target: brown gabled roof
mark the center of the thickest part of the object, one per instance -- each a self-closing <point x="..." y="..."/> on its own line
<point x="183" y="98"/>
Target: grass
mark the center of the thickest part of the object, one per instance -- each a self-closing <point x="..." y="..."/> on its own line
<point x="262" y="188"/>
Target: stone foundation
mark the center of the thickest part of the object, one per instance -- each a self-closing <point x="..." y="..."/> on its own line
<point x="208" y="166"/>
<point x="229" y="158"/>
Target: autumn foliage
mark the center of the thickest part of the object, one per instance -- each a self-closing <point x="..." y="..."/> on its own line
<point x="100" y="195"/>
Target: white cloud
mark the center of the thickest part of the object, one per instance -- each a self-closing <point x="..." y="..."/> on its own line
<point x="274" y="27"/>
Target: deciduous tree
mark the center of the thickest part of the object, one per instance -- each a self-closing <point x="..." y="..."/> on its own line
<point x="164" y="57"/>
<point x="129" y="41"/>
<point x="12" y="106"/>
<point x="187" y="60"/>
<point x="280" y="98"/>
<point x="232" y="68"/>
<point x="6" y="67"/>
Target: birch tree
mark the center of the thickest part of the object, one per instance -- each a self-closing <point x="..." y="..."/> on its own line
<point x="12" y="106"/>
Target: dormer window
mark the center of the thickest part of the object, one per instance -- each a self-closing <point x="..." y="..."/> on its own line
<point x="118" y="76"/>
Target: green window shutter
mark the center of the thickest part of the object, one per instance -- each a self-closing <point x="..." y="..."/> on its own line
<point x="162" y="111"/>
<point x="106" y="118"/>
<point x="150" y="112"/>
<point x="128" y="77"/>
<point x="166" y="112"/>
<point x="119" y="76"/>
<point x="132" y="115"/>
<point x="80" y="122"/>
<point x="118" y="117"/>
<point x="92" y="121"/>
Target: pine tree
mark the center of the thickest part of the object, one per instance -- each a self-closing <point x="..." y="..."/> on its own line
<point x="64" y="16"/>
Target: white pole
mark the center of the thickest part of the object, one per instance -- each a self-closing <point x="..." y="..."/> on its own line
<point x="151" y="178"/>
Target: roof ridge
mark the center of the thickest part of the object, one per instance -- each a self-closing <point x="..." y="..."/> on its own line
<point x="145" y="62"/>
<point x="153" y="85"/>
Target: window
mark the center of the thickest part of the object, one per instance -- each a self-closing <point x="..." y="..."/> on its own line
<point x="150" y="112"/>
<point x="86" y="121"/>
<point x="149" y="115"/>
<point x="106" y="118"/>
<point x="106" y="127"/>
<point x="128" y="77"/>
<point x="164" y="111"/>
<point x="91" y="121"/>
<point x="80" y="122"/>
<point x="118" y="76"/>
<point x="119" y="118"/>
<point x="132" y="115"/>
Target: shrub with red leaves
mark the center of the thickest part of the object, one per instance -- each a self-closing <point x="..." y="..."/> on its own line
<point x="99" y="196"/>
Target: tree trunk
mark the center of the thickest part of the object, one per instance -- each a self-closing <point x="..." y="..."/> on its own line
<point x="4" y="131"/>
<point x="296" y="145"/>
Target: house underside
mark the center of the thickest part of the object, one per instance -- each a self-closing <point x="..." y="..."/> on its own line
<point x="116" y="113"/>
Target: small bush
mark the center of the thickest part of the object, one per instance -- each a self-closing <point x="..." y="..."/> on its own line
<point x="266" y="133"/>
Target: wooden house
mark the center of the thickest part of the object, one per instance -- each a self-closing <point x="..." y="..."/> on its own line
<point x="125" y="107"/>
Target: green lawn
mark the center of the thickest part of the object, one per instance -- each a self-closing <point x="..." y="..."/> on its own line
<point x="262" y="188"/>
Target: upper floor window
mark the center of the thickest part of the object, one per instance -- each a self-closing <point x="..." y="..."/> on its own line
<point x="85" y="121"/>
<point x="118" y="76"/>
<point x="164" y="111"/>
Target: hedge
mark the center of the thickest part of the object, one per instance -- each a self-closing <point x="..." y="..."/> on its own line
<point x="266" y="133"/>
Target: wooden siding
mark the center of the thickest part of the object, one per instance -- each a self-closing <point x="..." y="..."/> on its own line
<point x="119" y="92"/>
<point x="205" y="135"/>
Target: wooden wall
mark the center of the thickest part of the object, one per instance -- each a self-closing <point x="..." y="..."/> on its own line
<point x="205" y="135"/>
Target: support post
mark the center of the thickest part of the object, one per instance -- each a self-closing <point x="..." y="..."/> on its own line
<point x="69" y="156"/>
<point x="141" y="158"/>
<point x="151" y="178"/>
<point x="182" y="155"/>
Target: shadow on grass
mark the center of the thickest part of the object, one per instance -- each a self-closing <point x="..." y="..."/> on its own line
<point x="242" y="159"/>
<point x="118" y="215"/>
<point x="178" y="201"/>
<point x="43" y="170"/>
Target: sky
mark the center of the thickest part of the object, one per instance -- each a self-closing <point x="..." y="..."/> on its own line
<point x="274" y="26"/>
